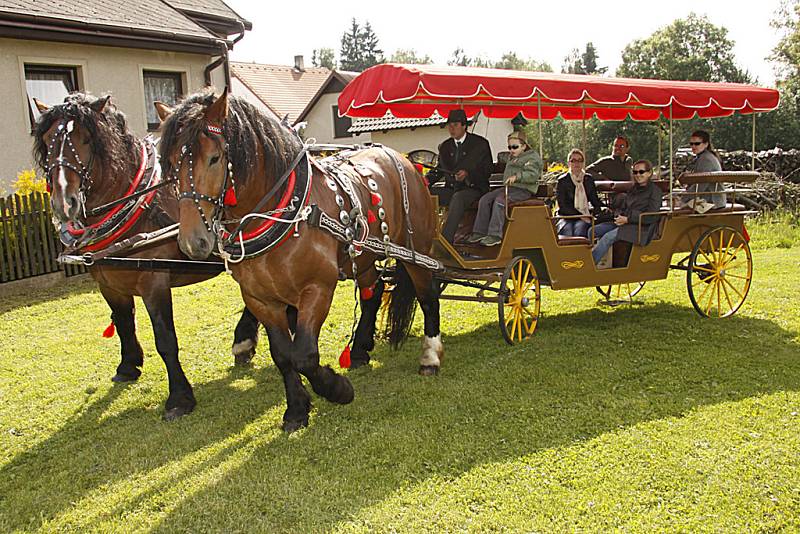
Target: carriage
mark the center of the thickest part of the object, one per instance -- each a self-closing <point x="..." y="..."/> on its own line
<point x="711" y="248"/>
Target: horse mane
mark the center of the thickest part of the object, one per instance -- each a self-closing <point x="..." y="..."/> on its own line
<point x="247" y="131"/>
<point x="108" y="132"/>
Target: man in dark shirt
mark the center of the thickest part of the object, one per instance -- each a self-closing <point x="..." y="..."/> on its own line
<point x="615" y="167"/>
<point x="467" y="160"/>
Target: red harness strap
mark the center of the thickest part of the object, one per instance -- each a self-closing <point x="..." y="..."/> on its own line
<point x="266" y="225"/>
<point x="136" y="179"/>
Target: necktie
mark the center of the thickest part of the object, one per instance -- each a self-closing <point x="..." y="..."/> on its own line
<point x="458" y="151"/>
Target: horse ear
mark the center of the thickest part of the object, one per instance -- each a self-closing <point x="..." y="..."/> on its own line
<point x="98" y="105"/>
<point x="163" y="110"/>
<point x="41" y="106"/>
<point x="217" y="112"/>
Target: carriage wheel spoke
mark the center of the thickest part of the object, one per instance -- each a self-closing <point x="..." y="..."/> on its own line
<point x="703" y="294"/>
<point x="706" y="280"/>
<point x="736" y="276"/>
<point x="727" y="297"/>
<point x="732" y="255"/>
<point x="710" y="300"/>
<point x="734" y="288"/>
<point x="704" y="269"/>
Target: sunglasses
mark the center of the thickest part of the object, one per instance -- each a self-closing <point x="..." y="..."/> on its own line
<point x="695" y="143"/>
<point x="513" y="147"/>
<point x="640" y="171"/>
<point x="620" y="146"/>
<point x="576" y="161"/>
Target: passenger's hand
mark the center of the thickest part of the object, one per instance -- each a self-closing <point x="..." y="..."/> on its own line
<point x="461" y="175"/>
<point x="511" y="179"/>
<point x="619" y="220"/>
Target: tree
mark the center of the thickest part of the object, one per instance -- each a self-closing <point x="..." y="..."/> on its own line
<point x="688" y="49"/>
<point x="323" y="57"/>
<point x="782" y="126"/>
<point x="409" y="56"/>
<point x="359" y="49"/>
<point x="583" y="63"/>
<point x="511" y="61"/>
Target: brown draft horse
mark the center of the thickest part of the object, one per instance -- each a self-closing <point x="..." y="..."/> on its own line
<point x="90" y="158"/>
<point x="216" y="144"/>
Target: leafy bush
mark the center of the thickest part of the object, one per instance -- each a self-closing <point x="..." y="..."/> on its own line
<point x="29" y="182"/>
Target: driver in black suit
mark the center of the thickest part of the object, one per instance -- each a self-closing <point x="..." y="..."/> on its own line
<point x="467" y="161"/>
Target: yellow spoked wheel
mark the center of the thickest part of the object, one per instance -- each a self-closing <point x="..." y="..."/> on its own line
<point x="719" y="272"/>
<point x="519" y="300"/>
<point x="620" y="292"/>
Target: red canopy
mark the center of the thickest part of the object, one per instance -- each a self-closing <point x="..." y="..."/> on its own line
<point x="417" y="91"/>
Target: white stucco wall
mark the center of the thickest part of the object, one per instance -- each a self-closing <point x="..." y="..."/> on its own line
<point x="320" y="123"/>
<point x="101" y="70"/>
<point x="429" y="137"/>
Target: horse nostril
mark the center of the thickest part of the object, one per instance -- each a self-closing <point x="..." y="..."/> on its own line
<point x="204" y="244"/>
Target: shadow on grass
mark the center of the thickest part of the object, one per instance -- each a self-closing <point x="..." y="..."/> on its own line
<point x="68" y="288"/>
<point x="491" y="403"/>
<point x="100" y="449"/>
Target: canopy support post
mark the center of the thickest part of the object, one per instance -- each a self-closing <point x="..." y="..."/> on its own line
<point x="583" y="128"/>
<point x="659" y="135"/>
<point x="539" y="122"/>
<point x="671" y="154"/>
<point x="753" y="149"/>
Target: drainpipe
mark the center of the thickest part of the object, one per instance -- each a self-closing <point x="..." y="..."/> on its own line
<point x="221" y="60"/>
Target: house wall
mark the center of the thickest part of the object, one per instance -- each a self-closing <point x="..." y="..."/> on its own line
<point x="101" y="70"/>
<point x="320" y="123"/>
<point x="429" y="137"/>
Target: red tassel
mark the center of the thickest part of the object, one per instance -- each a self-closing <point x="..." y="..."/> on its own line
<point x="367" y="292"/>
<point x="49" y="188"/>
<point x="419" y="167"/>
<point x="371" y="218"/>
<point x="344" y="358"/>
<point x="376" y="199"/>
<point x="109" y="331"/>
<point x="230" y="197"/>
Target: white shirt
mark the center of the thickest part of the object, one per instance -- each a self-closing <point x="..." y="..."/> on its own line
<point x="463" y="137"/>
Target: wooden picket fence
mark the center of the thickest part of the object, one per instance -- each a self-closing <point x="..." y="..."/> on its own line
<point x="29" y="245"/>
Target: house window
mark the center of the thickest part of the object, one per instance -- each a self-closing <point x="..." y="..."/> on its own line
<point x="49" y="85"/>
<point x="341" y="124"/>
<point x="166" y="87"/>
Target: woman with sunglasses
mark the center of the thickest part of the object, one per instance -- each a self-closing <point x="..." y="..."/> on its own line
<point x="576" y="195"/>
<point x="644" y="196"/>
<point x="521" y="178"/>
<point x="706" y="159"/>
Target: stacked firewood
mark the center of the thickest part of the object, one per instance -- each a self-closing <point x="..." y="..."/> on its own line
<point x="778" y="186"/>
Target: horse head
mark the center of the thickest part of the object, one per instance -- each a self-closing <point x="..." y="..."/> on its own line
<point x="77" y="144"/>
<point x="215" y="144"/>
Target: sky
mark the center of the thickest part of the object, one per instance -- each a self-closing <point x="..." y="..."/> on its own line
<point x="545" y="31"/>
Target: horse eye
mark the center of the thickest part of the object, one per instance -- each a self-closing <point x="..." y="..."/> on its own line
<point x="214" y="160"/>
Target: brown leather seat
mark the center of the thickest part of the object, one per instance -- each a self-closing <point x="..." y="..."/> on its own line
<point x="529" y="202"/>
<point x="572" y="240"/>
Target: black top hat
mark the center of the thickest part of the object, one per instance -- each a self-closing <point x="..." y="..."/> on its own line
<point x="457" y="115"/>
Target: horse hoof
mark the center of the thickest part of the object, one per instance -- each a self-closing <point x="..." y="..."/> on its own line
<point x="355" y="364"/>
<point x="293" y="426"/>
<point x="429" y="370"/>
<point x="243" y="352"/>
<point x="176" y="413"/>
<point x="120" y="378"/>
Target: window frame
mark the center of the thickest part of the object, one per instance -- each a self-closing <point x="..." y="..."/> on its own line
<point x="176" y="75"/>
<point x="339" y="123"/>
<point x="32" y="67"/>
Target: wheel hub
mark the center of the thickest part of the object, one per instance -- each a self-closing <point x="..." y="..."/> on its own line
<point x="524" y="302"/>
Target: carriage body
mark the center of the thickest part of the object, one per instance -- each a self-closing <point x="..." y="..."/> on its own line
<point x="711" y="247"/>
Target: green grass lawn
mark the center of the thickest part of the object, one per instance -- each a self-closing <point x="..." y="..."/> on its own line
<point x="637" y="418"/>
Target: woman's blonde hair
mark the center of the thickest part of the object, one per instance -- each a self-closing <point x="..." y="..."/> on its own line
<point x="576" y="151"/>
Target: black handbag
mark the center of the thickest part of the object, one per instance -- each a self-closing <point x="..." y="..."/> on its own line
<point x="604" y="217"/>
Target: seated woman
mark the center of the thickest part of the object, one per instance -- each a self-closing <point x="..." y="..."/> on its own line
<point x="575" y="192"/>
<point x="706" y="160"/>
<point x="521" y="178"/>
<point x="643" y="197"/>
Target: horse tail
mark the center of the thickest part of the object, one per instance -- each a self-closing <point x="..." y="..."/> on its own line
<point x="402" y="305"/>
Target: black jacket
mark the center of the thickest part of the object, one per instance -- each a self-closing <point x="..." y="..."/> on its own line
<point x="640" y="200"/>
<point x="565" y="194"/>
<point x="475" y="158"/>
